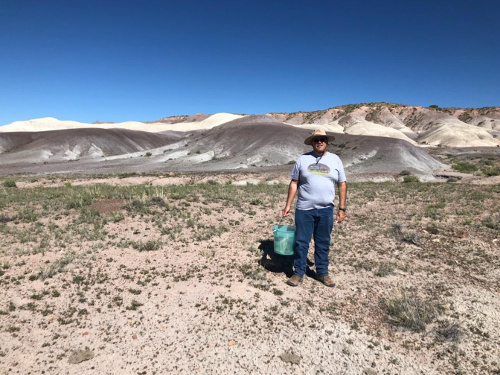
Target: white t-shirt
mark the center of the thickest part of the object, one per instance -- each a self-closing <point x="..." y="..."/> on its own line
<point x="316" y="178"/>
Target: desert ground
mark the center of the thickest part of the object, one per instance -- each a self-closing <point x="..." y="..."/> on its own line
<point x="176" y="273"/>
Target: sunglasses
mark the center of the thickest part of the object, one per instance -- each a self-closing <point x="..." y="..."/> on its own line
<point x="317" y="140"/>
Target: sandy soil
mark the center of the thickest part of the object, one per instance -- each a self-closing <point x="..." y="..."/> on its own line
<point x="184" y="279"/>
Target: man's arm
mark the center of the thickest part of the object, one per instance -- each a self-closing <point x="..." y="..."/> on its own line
<point x="342" y="188"/>
<point x="292" y="189"/>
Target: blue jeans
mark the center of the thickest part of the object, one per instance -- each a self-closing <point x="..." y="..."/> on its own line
<point x="317" y="223"/>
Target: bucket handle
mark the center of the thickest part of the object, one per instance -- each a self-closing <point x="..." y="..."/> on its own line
<point x="281" y="218"/>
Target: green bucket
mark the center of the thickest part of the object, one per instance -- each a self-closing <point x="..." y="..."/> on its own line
<point x="284" y="239"/>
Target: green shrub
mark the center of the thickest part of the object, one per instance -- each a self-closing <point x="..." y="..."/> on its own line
<point x="9" y="183"/>
<point x="411" y="178"/>
<point x="464" y="167"/>
<point x="149" y="245"/>
<point x="494" y="171"/>
<point x="492" y="222"/>
<point x="384" y="269"/>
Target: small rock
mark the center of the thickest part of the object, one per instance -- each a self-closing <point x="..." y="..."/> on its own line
<point x="290" y="358"/>
<point x="369" y="371"/>
<point x="239" y="183"/>
<point x="232" y="342"/>
<point x="134" y="337"/>
<point x="80" y="356"/>
<point x="431" y="230"/>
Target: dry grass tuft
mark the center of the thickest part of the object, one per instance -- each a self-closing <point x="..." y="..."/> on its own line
<point x="411" y="311"/>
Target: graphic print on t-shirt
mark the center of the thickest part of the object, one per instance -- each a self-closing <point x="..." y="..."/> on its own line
<point x="319" y="169"/>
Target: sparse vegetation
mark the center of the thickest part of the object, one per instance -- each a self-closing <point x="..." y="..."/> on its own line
<point x="413" y="276"/>
<point x="484" y="165"/>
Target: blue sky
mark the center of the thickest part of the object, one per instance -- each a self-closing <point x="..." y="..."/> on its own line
<point x="127" y="60"/>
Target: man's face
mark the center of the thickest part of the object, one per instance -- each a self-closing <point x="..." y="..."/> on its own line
<point x="319" y="144"/>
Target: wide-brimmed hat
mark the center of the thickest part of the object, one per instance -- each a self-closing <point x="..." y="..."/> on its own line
<point x="318" y="133"/>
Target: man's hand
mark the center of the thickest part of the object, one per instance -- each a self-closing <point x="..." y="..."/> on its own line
<point x="340" y="216"/>
<point x="292" y="189"/>
<point x="342" y="186"/>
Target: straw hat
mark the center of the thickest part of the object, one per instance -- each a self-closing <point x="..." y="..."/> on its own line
<point x="318" y="133"/>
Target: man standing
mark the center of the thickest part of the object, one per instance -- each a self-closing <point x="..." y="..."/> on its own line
<point x="314" y="176"/>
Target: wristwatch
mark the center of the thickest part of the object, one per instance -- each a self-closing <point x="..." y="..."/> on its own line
<point x="341" y="209"/>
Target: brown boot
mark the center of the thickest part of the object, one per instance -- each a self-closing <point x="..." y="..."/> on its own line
<point x="295" y="280"/>
<point x="326" y="280"/>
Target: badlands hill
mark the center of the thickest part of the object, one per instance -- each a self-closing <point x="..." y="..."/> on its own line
<point x="370" y="138"/>
<point x="73" y="144"/>
<point x="176" y="123"/>
<point x="449" y="127"/>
